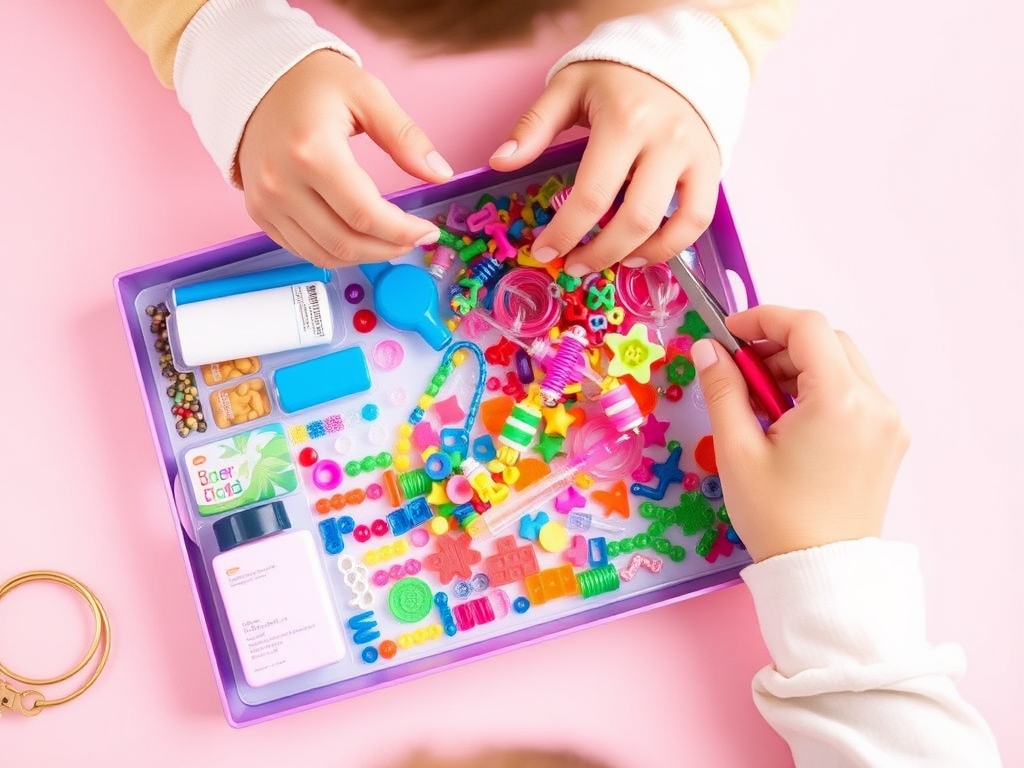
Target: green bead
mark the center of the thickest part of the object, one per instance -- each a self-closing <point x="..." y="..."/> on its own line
<point x="383" y="460"/>
<point x="368" y="464"/>
<point x="707" y="541"/>
<point x="352" y="468"/>
<point x="649" y="509"/>
<point x="693" y="326"/>
<point x="433" y="389"/>
<point x="642" y="540"/>
<point x="626" y="546"/>
<point x="446" y="509"/>
<point x="723" y="515"/>
<point x="656" y="528"/>
<point x="680" y="370"/>
<point x="661" y="545"/>
<point x="613" y="549"/>
<point x="410" y="600"/>
<point x="672" y="445"/>
<point x="676" y="554"/>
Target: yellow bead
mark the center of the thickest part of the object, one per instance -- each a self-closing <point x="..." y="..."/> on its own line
<point x="372" y="557"/>
<point x="460" y="356"/>
<point x="438" y="525"/>
<point x="553" y="537"/>
<point x="401" y="463"/>
<point x="403" y="445"/>
<point x="429" y="450"/>
<point x="435" y="631"/>
<point x="387" y="551"/>
<point x="400" y="547"/>
<point x="419" y="635"/>
<point x="583" y="481"/>
<point x="406" y="640"/>
<point x="425" y="402"/>
<point x="405" y="430"/>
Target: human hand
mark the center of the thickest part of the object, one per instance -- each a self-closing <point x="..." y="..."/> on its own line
<point x="822" y="472"/>
<point x="302" y="184"/>
<point x="639" y="129"/>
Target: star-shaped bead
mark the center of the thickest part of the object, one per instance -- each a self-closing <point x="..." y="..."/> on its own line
<point x="557" y="420"/>
<point x="634" y="353"/>
<point x="549" y="446"/>
<point x="654" y="431"/>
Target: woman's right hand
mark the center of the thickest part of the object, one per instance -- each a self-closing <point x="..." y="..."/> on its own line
<point x="824" y="471"/>
<point x="302" y="184"/>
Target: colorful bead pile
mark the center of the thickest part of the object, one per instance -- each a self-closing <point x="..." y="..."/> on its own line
<point x="183" y="391"/>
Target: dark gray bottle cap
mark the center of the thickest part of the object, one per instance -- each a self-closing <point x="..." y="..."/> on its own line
<point x="249" y="524"/>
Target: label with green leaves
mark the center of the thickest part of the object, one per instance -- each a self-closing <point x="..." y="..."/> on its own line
<point x="241" y="470"/>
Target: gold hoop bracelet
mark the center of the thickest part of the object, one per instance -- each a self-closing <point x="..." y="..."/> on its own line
<point x="30" y="702"/>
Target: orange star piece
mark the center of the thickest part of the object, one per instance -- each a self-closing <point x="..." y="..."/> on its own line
<point x="614" y="500"/>
<point x="557" y="420"/>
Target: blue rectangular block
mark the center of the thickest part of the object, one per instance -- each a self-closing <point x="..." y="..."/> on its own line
<point x="322" y="379"/>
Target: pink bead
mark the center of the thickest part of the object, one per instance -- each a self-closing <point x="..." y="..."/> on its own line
<point x="380" y="578"/>
<point x="459" y="490"/>
<point x="691" y="481"/>
<point x="361" y="533"/>
<point x="374" y="491"/>
<point x="493" y="384"/>
<point x="413" y="566"/>
<point x="379" y="527"/>
<point x="395" y="571"/>
<point x="419" y="537"/>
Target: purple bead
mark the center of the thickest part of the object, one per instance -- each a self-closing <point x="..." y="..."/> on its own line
<point x="354" y="293"/>
<point x="524" y="370"/>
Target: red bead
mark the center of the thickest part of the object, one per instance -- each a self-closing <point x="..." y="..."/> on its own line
<point x="379" y="527"/>
<point x="361" y="533"/>
<point x="364" y="321"/>
<point x="308" y="456"/>
<point x="674" y="393"/>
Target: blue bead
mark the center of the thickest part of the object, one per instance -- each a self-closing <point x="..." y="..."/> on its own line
<point x="346" y="524"/>
<point x="333" y="543"/>
<point x="370" y="412"/>
<point x="483" y="449"/>
<point x="462" y="589"/>
<point x="370" y="654"/>
<point x="711" y="487"/>
<point x="480" y="582"/>
<point x="520" y="605"/>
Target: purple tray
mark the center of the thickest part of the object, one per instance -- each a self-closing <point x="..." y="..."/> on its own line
<point x="129" y="284"/>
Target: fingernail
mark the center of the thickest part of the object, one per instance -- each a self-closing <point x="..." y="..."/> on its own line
<point x="438" y="164"/>
<point x="506" y="150"/>
<point x="634" y="261"/>
<point x="545" y="254"/>
<point x="704" y="354"/>
<point x="427" y="239"/>
<point x="577" y="270"/>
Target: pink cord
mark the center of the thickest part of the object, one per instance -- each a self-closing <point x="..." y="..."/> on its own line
<point x="621" y="450"/>
<point x="649" y="293"/>
<point x="525" y="304"/>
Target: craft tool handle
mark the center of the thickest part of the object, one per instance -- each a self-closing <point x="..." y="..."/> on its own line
<point x="763" y="386"/>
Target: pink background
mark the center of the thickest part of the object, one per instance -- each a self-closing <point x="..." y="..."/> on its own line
<point x="877" y="177"/>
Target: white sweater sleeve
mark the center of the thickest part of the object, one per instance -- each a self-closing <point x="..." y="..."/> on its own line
<point x="230" y="54"/>
<point x="690" y="51"/>
<point x="855" y="682"/>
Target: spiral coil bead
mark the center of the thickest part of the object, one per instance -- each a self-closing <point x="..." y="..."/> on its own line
<point x="564" y="368"/>
<point x="525" y="304"/>
<point x="597" y="581"/>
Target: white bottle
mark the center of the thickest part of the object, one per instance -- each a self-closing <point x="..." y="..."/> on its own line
<point x="275" y="596"/>
<point x="252" y="324"/>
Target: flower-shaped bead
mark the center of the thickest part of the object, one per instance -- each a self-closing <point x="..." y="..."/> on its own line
<point x="634" y="353"/>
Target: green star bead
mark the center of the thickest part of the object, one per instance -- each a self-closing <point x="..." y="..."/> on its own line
<point x="693" y="326"/>
<point x="549" y="446"/>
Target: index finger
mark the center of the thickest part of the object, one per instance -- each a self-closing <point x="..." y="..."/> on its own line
<point x="350" y="191"/>
<point x="815" y="350"/>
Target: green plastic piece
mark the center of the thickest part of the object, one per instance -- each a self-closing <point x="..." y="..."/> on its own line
<point x="723" y="515"/>
<point x="680" y="370"/>
<point x="549" y="446"/>
<point x="693" y="326"/>
<point x="383" y="460"/>
<point x="352" y="468"/>
<point x="410" y="600"/>
<point x="707" y="541"/>
<point x="368" y="464"/>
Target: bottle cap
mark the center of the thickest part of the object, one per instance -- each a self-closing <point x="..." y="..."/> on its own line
<point x="250" y="524"/>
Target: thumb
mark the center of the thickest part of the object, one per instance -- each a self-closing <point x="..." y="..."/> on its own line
<point x="534" y="131"/>
<point x="725" y="391"/>
<point x="394" y="131"/>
